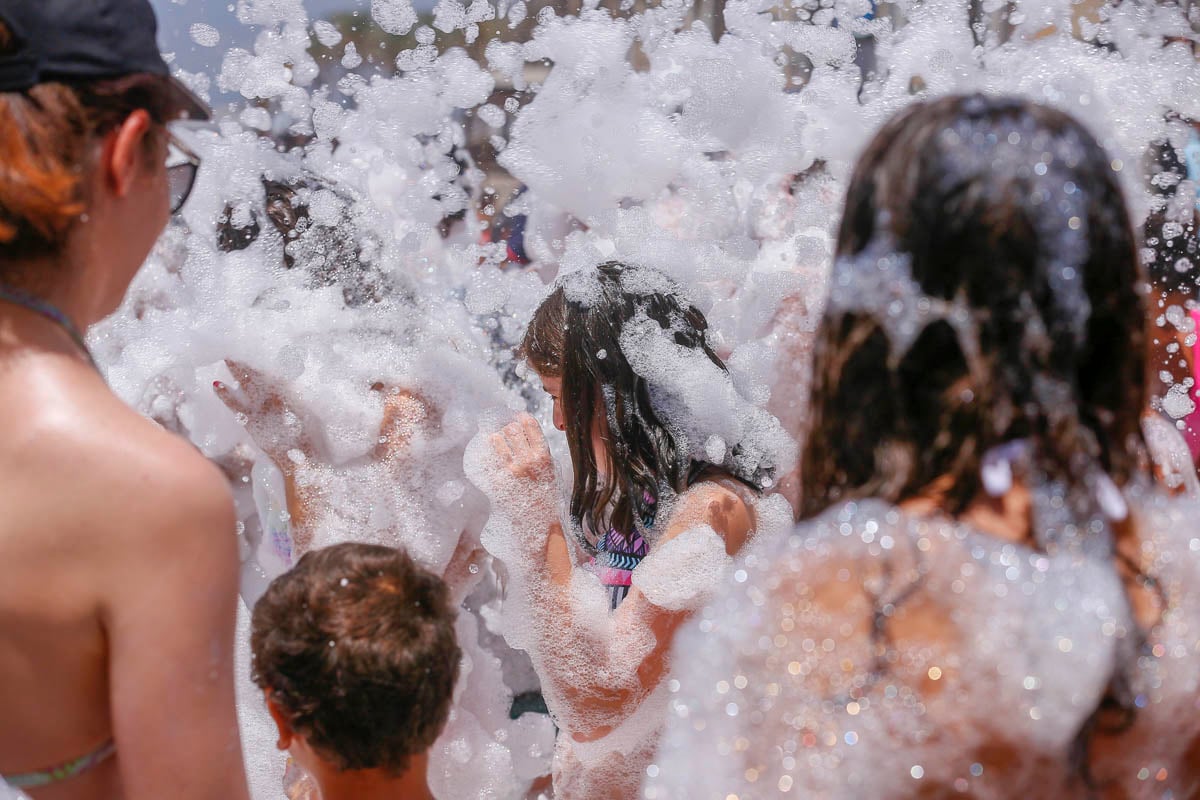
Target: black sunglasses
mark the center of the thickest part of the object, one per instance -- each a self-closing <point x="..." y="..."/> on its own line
<point x="182" y="166"/>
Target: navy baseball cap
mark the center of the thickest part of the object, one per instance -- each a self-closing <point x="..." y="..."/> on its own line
<point x="85" y="40"/>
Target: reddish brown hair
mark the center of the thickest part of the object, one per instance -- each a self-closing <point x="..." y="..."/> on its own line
<point x="45" y="135"/>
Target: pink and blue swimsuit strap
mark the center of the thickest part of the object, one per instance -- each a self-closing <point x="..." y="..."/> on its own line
<point x="617" y="556"/>
<point x="615" y="562"/>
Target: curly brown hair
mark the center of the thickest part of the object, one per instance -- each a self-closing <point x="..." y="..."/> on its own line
<point x="356" y="645"/>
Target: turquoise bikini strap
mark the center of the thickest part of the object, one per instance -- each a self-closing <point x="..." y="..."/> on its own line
<point x="78" y="766"/>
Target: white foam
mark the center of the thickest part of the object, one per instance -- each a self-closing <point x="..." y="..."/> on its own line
<point x="683" y="573"/>
<point x="783" y="661"/>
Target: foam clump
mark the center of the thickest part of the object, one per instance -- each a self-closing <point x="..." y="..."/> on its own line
<point x="482" y="753"/>
<point x="787" y="660"/>
<point x="265" y="762"/>
<point x="396" y="17"/>
<point x="205" y="35"/>
<point x="699" y="401"/>
<point x="630" y="148"/>
<point x="685" y="570"/>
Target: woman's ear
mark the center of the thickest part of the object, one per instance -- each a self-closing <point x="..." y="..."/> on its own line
<point x="286" y="734"/>
<point x="123" y="155"/>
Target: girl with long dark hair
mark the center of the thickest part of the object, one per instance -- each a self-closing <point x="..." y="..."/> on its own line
<point x="669" y="462"/>
<point x="987" y="594"/>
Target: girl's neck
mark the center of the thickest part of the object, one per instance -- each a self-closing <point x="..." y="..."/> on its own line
<point x="1008" y="517"/>
<point x="47" y="304"/>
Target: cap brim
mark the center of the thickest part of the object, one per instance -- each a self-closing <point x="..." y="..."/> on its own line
<point x="188" y="105"/>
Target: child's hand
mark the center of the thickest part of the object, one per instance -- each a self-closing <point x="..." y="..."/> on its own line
<point x="266" y="415"/>
<point x="406" y="414"/>
<point x="513" y="467"/>
<point x="522" y="450"/>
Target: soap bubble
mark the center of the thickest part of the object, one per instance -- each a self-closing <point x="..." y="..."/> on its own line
<point x="205" y="35"/>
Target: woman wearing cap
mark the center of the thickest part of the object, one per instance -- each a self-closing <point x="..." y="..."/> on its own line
<point x="117" y="539"/>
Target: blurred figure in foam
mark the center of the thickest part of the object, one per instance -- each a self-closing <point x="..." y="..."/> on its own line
<point x="988" y="594"/>
<point x="1173" y="425"/>
<point x="509" y="229"/>
<point x="1171" y="251"/>
<point x="117" y="608"/>
<point x="338" y="254"/>
<point x="354" y="649"/>
<point x="668" y="463"/>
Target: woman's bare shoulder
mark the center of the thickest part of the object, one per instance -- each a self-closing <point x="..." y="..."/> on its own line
<point x="99" y="461"/>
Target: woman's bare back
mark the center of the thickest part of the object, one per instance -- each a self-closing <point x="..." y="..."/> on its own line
<point x="113" y="533"/>
<point x="877" y="653"/>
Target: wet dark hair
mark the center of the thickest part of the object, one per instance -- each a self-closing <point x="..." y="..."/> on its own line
<point x="340" y="255"/>
<point x="1005" y="222"/>
<point x="581" y="344"/>
<point x="356" y="644"/>
<point x="1045" y="267"/>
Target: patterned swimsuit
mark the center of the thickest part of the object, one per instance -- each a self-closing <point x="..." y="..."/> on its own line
<point x="615" y="561"/>
<point x="617" y="557"/>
